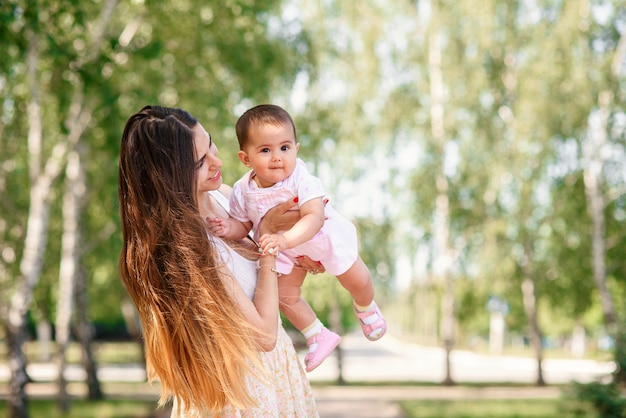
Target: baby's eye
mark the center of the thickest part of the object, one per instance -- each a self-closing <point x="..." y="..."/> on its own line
<point x="265" y="150"/>
<point x="284" y="148"/>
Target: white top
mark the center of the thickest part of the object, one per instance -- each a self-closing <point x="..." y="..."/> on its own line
<point x="249" y="202"/>
<point x="244" y="270"/>
<point x="335" y="245"/>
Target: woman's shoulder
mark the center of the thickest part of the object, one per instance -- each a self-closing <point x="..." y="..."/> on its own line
<point x="215" y="203"/>
<point x="226" y="190"/>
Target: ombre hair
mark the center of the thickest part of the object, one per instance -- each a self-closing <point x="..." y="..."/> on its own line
<point x="198" y="343"/>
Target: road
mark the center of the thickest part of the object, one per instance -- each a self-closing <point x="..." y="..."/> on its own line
<point x="391" y="359"/>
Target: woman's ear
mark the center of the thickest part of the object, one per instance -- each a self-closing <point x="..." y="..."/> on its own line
<point x="243" y="156"/>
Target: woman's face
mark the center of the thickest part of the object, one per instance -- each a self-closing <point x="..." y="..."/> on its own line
<point x="207" y="163"/>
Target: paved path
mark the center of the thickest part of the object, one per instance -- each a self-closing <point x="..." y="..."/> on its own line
<point x="389" y="360"/>
<point x="392" y="360"/>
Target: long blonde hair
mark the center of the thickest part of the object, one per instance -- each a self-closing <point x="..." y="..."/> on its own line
<point x="198" y="343"/>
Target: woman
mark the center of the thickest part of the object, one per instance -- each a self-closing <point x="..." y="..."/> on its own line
<point x="210" y="320"/>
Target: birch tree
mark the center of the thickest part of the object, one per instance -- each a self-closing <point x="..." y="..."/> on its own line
<point x="596" y="150"/>
<point x="69" y="271"/>
<point x="42" y="179"/>
<point x="443" y="252"/>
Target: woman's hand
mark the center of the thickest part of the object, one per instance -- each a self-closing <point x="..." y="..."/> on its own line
<point x="279" y="218"/>
<point x="309" y="264"/>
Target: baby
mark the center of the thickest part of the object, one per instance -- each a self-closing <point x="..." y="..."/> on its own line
<point x="268" y="145"/>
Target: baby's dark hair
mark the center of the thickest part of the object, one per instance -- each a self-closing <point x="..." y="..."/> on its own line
<point x="268" y="114"/>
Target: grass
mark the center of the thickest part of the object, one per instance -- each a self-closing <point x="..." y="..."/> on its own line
<point x="105" y="352"/>
<point x="91" y="409"/>
<point x="536" y="408"/>
<point x="544" y="408"/>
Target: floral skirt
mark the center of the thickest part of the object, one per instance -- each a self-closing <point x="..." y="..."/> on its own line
<point x="288" y="394"/>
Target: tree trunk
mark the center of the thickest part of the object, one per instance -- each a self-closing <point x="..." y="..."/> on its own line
<point x="447" y="328"/>
<point x="44" y="339"/>
<point x="594" y="158"/>
<point x="595" y="202"/>
<point x="30" y="269"/>
<point x="18" y="401"/>
<point x="530" y="307"/>
<point x="84" y="333"/>
<point x="578" y="340"/>
<point x="35" y="240"/>
<point x="70" y="259"/>
<point x="443" y="253"/>
<point x="529" y="299"/>
<point x="496" y="332"/>
<point x="593" y="150"/>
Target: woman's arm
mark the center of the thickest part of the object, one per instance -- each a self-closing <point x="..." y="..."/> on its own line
<point x="281" y="217"/>
<point x="310" y="222"/>
<point x="262" y="310"/>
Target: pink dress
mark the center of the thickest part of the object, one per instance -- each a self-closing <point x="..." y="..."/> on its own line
<point x="288" y="393"/>
<point x="335" y="245"/>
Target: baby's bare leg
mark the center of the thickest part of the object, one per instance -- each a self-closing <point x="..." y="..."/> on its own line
<point x="358" y="281"/>
<point x="295" y="309"/>
<point x="319" y="340"/>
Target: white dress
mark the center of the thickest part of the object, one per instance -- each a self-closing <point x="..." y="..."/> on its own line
<point x="335" y="245"/>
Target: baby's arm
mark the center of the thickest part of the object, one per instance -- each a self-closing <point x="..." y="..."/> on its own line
<point x="229" y="228"/>
<point x="311" y="221"/>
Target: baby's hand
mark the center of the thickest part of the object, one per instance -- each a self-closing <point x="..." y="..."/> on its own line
<point x="271" y="243"/>
<point x="218" y="226"/>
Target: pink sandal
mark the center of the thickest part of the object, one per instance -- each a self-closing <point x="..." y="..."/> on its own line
<point x="326" y="341"/>
<point x="373" y="331"/>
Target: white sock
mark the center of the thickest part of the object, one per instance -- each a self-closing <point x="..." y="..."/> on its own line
<point x="370" y="319"/>
<point x="311" y="330"/>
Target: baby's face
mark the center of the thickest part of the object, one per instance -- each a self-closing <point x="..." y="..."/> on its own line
<point x="271" y="152"/>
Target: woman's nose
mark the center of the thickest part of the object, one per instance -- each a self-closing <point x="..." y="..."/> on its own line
<point x="214" y="160"/>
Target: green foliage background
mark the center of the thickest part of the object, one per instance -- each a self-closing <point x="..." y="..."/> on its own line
<point x="522" y="81"/>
